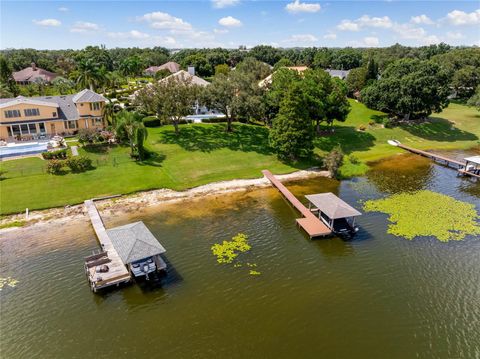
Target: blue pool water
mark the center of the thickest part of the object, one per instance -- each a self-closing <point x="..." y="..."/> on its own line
<point x="19" y="149"/>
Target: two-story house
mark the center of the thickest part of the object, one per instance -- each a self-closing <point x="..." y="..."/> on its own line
<point x="45" y="116"/>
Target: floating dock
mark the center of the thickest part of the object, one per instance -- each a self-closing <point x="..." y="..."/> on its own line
<point x="117" y="272"/>
<point x="311" y="224"/>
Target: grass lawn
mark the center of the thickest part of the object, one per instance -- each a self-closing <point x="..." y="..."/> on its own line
<point x="205" y="153"/>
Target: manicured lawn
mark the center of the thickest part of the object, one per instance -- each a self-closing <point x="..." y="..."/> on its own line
<point x="457" y="127"/>
<point x="205" y="153"/>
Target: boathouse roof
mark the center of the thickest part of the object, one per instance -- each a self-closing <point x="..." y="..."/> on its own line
<point x="332" y="206"/>
<point x="134" y="242"/>
<point x="473" y="159"/>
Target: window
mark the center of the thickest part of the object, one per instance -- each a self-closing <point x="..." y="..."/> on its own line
<point x="12" y="113"/>
<point x="95" y="106"/>
<point x="32" y="112"/>
<point x="97" y="121"/>
<point x="16" y="130"/>
<point x="71" y="125"/>
<point x="54" y="114"/>
<point x="24" y="129"/>
<point x="9" y="130"/>
<point x="32" y="128"/>
<point x="41" y="127"/>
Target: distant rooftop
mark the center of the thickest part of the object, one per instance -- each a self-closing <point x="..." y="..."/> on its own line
<point x="32" y="73"/>
<point x="88" y="96"/>
<point x="183" y="75"/>
<point x="134" y="242"/>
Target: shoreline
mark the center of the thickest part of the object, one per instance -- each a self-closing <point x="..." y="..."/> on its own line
<point x="130" y="202"/>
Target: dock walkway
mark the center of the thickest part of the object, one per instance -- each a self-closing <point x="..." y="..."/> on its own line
<point x="117" y="272"/>
<point x="310" y="223"/>
<point x="435" y="157"/>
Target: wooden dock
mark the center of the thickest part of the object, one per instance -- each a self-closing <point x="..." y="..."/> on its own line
<point x="450" y="162"/>
<point x="117" y="272"/>
<point x="310" y="223"/>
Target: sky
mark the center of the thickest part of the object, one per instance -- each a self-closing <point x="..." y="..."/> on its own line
<point x="230" y="23"/>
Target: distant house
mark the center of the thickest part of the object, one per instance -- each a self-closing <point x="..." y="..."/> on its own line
<point x="189" y="75"/>
<point x="40" y="117"/>
<point x="169" y="66"/>
<point x="268" y="80"/>
<point x="32" y="74"/>
<point x="341" y="74"/>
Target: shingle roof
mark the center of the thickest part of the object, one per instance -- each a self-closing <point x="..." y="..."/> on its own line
<point x="65" y="104"/>
<point x="170" y="66"/>
<point x="7" y="102"/>
<point x="342" y="74"/>
<point x="88" y="96"/>
<point x="30" y="74"/>
<point x="183" y="75"/>
<point x="332" y="206"/>
<point x="134" y="242"/>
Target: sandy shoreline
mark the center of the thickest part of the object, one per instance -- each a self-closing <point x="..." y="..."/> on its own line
<point x="136" y="201"/>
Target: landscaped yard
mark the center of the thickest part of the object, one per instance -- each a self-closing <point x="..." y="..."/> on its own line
<point x="205" y="153"/>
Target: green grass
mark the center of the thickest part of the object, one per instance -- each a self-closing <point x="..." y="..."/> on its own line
<point x="12" y="224"/>
<point x="457" y="127"/>
<point x="205" y="153"/>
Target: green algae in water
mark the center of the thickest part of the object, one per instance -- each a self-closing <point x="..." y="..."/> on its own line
<point x="8" y="281"/>
<point x="426" y="213"/>
<point x="227" y="251"/>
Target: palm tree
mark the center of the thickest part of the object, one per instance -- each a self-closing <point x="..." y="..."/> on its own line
<point x="89" y="73"/>
<point x="129" y="126"/>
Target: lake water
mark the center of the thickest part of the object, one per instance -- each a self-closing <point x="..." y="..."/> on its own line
<point x="377" y="296"/>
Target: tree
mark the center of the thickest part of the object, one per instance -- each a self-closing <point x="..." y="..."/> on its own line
<point x="465" y="80"/>
<point x="251" y="67"/>
<point x="131" y="66"/>
<point x="221" y="94"/>
<point x="130" y="128"/>
<point x="409" y="89"/>
<point x="63" y="85"/>
<point x="323" y="59"/>
<point x="283" y="62"/>
<point x="337" y="105"/>
<point x="356" y="80"/>
<point x="9" y="86"/>
<point x="372" y="69"/>
<point x="333" y="161"/>
<point x="475" y="99"/>
<point x="264" y="53"/>
<point x="292" y="134"/>
<point x="222" y="69"/>
<point x="170" y="99"/>
<point x="89" y="75"/>
<point x="202" y="66"/>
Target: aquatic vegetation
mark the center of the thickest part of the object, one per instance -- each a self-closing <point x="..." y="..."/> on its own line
<point x="227" y="251"/>
<point x="254" y="272"/>
<point x="7" y="281"/>
<point x="426" y="213"/>
<point x="13" y="224"/>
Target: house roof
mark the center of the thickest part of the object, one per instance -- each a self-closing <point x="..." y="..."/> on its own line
<point x="170" y="66"/>
<point x="31" y="73"/>
<point x="338" y="73"/>
<point x="134" y="242"/>
<point x="7" y="102"/>
<point x="88" y="96"/>
<point x="65" y="104"/>
<point x="268" y="80"/>
<point x="332" y="206"/>
<point x="473" y="159"/>
<point x="183" y="75"/>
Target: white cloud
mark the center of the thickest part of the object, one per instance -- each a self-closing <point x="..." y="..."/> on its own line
<point x="301" y="39"/>
<point x="421" y="19"/>
<point x="220" y="4"/>
<point x="330" y="36"/>
<point x="83" y="27"/>
<point x="409" y="32"/>
<point x="457" y="17"/>
<point x="297" y="7"/>
<point x="63" y="9"/>
<point x="48" y="22"/>
<point x="220" y="31"/>
<point x="230" y="21"/>
<point x="164" y="21"/>
<point x="371" y="41"/>
<point x="451" y="35"/>
<point x="347" y="25"/>
<point x="365" y="21"/>
<point x="133" y="34"/>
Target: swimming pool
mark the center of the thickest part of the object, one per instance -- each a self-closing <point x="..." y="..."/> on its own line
<point x="19" y="149"/>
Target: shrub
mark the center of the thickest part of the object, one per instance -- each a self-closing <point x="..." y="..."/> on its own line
<point x="333" y="161"/>
<point x="372" y="123"/>
<point x="55" y="155"/>
<point x="54" y="167"/>
<point x="151" y="121"/>
<point x="362" y="128"/>
<point x="353" y="160"/>
<point x="79" y="164"/>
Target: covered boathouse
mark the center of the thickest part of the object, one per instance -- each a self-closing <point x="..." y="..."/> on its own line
<point x="138" y="248"/>
<point x="338" y="215"/>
